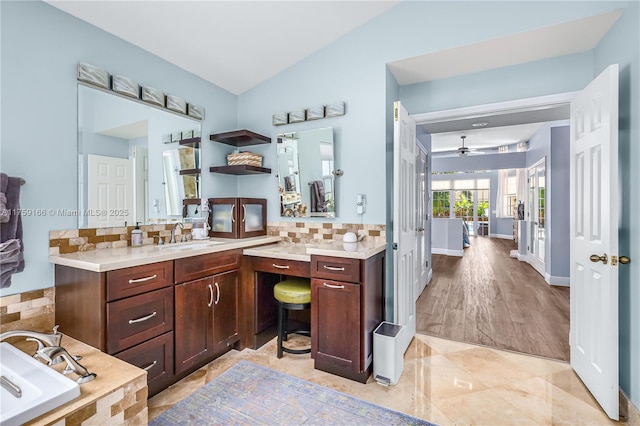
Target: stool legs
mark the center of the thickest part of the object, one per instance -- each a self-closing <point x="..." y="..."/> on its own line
<point x="283" y="328"/>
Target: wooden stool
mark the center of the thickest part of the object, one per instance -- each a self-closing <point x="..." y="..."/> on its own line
<point x="292" y="294"/>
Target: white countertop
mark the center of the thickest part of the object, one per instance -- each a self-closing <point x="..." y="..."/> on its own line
<point x="303" y="252"/>
<point x="102" y="260"/>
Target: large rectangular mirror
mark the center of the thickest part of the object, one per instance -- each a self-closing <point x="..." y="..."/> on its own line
<point x="128" y="164"/>
<point x="306" y="173"/>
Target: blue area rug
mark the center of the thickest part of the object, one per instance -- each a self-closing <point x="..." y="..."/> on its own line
<point x="251" y="394"/>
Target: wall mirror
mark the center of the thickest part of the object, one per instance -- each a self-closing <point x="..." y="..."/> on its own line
<point x="130" y="161"/>
<point x="306" y="173"/>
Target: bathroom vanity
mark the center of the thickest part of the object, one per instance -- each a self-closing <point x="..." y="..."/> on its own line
<point x="172" y="309"/>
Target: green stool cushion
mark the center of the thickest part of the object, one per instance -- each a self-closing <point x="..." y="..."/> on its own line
<point x="293" y="290"/>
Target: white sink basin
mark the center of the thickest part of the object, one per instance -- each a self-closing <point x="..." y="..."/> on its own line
<point x="190" y="246"/>
<point x="43" y="388"/>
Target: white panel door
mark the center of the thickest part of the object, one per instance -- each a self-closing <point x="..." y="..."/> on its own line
<point x="594" y="238"/>
<point x="110" y="197"/>
<point x="404" y="226"/>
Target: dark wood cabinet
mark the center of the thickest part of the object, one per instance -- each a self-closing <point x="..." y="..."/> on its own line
<point x="347" y="304"/>
<point x="206" y="322"/>
<point x="335" y="321"/>
<point x="127" y="313"/>
<point x="238" y="217"/>
<point x="155" y="356"/>
<point x="225" y="311"/>
<point x="193" y="333"/>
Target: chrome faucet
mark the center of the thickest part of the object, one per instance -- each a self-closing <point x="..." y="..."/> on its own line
<point x="51" y="354"/>
<point x="42" y="339"/>
<point x="173" y="231"/>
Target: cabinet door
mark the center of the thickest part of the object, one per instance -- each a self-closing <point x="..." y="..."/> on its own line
<point x="225" y="310"/>
<point x="252" y="217"/>
<point x="224" y="214"/>
<point x="193" y="328"/>
<point x="335" y="323"/>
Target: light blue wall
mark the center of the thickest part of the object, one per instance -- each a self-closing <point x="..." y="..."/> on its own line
<point x="545" y="77"/>
<point x="622" y="46"/>
<point x="40" y="48"/>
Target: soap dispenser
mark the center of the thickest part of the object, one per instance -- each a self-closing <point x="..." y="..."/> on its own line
<point x="136" y="236"/>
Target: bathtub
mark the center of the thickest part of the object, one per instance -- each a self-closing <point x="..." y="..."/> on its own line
<point x="42" y="388"/>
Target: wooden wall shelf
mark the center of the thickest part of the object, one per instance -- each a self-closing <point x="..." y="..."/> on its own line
<point x="192" y="142"/>
<point x="240" y="170"/>
<point x="240" y="138"/>
<point x="190" y="172"/>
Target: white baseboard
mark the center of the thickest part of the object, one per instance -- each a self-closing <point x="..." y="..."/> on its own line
<point x="557" y="281"/>
<point x="447" y="252"/>
<point x="429" y="275"/>
<point x="503" y="236"/>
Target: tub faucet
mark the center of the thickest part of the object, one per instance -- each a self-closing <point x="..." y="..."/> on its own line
<point x="173" y="231"/>
<point x="52" y="353"/>
<point x="42" y="339"/>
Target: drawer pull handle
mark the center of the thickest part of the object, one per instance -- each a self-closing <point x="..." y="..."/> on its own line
<point x="141" y="280"/>
<point x="280" y="266"/>
<point x="150" y="366"/>
<point x="217" y="293"/>
<point x="333" y="286"/>
<point x="210" y="296"/>
<point x="333" y="268"/>
<point x="148" y="317"/>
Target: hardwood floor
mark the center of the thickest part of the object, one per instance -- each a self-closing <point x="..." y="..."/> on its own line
<point x="489" y="298"/>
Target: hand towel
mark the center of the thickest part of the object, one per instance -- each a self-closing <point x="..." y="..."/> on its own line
<point x="4" y="211"/>
<point x="12" y="229"/>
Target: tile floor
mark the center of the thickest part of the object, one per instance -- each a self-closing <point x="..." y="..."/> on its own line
<point x="445" y="382"/>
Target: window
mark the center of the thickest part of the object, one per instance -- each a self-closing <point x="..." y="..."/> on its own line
<point x="440" y="203"/>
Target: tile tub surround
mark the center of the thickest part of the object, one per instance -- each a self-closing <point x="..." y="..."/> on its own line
<point x="118" y="395"/>
<point x="305" y="232"/>
<point x="75" y="240"/>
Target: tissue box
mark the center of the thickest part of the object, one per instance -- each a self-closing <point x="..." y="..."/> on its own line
<point x="244" y="159"/>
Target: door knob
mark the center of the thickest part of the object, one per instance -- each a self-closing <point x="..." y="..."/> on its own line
<point x="595" y="258"/>
<point x="624" y="260"/>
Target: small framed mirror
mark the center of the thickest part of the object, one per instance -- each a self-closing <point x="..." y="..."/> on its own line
<point x="306" y="181"/>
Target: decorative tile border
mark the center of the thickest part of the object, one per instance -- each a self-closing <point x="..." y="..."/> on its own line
<point x="75" y="240"/>
<point x="306" y="232"/>
<point x="32" y="310"/>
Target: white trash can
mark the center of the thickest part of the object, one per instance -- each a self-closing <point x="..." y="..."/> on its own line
<point x="388" y="357"/>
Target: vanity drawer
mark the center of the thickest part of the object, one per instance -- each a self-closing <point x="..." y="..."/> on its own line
<point x="139" y="318"/>
<point x="156" y="357"/>
<point x="335" y="268"/>
<point x="193" y="268"/>
<point x="127" y="282"/>
<point x="281" y="266"/>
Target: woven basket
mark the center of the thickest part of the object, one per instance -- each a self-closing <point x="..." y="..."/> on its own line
<point x="244" y="159"/>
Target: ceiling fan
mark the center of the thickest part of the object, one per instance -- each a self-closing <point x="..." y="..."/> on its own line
<point x="464" y="150"/>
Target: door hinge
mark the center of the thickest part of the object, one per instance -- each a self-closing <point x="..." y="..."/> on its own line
<point x="394" y="246"/>
<point x="395" y="111"/>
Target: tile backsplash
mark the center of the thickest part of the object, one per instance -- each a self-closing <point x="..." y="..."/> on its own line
<point x="32" y="310"/>
<point x="74" y="240"/>
<point x="305" y="232"/>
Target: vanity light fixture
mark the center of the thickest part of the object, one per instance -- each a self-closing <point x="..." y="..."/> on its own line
<point x="308" y="114"/>
<point x="96" y="76"/>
